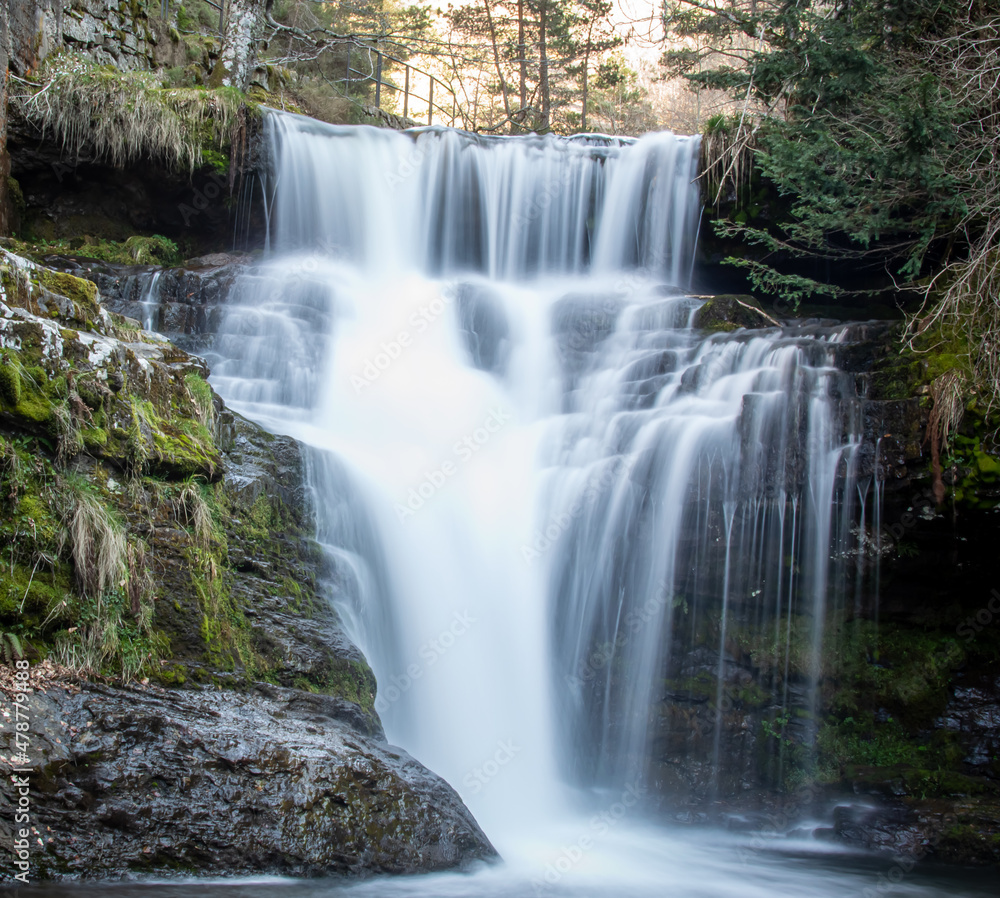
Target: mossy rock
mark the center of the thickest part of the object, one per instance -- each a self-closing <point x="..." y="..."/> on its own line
<point x="80" y="290"/>
<point x="729" y="312"/>
<point x="10" y="384"/>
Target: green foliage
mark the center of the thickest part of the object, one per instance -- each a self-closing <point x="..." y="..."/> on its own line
<point x="155" y="250"/>
<point x="544" y="83"/>
<point x="11" y="647"/>
<point x="616" y="101"/>
<point x="852" y="123"/>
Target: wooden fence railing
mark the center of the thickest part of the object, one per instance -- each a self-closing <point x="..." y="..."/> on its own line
<point x="375" y="75"/>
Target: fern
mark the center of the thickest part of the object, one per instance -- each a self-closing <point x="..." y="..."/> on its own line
<point x="12" y="647"/>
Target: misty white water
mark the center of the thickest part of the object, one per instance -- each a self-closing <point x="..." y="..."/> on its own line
<point x="524" y="453"/>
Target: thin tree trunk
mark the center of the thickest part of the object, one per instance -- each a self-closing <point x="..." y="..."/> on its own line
<point x="586" y="75"/>
<point x="543" y="64"/>
<point x="496" y="58"/>
<point x="522" y="56"/>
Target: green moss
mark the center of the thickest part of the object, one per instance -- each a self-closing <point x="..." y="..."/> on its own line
<point x="56" y="388"/>
<point x="225" y="632"/>
<point x="32" y="597"/>
<point x="94" y="439"/>
<point x="80" y="290"/>
<point x="155" y="250"/>
<point x="185" y="452"/>
<point x="35" y="513"/>
<point x="35" y="409"/>
<point x="181" y="447"/>
<point x="15" y="195"/>
<point x="725" y="313"/>
<point x="201" y="393"/>
<point x="10" y="383"/>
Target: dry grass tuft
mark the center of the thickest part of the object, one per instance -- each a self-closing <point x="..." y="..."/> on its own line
<point x="97" y="544"/>
<point x="123" y="117"/>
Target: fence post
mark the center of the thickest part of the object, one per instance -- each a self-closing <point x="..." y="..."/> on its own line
<point x="430" y="103"/>
<point x="164" y="9"/>
<point x="222" y="20"/>
<point x="406" y="93"/>
<point x="378" y="80"/>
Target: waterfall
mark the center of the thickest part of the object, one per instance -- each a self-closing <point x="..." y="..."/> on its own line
<point x="444" y="202"/>
<point x="550" y="501"/>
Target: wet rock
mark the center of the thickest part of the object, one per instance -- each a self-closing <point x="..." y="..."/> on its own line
<point x="185" y="303"/>
<point x="485" y="327"/>
<point x="729" y="312"/>
<point x="150" y="780"/>
<point x="580" y="325"/>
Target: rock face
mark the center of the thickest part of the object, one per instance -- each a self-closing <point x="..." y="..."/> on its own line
<point x="189" y="301"/>
<point x="110" y="32"/>
<point x="146" y="780"/>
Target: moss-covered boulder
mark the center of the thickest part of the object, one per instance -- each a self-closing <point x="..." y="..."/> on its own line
<point x="82" y="378"/>
<point x="729" y="312"/>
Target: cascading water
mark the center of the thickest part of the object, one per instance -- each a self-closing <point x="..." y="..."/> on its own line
<point x="544" y="493"/>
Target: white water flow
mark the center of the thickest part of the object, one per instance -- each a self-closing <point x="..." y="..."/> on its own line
<point x="546" y="494"/>
<point x="150" y="303"/>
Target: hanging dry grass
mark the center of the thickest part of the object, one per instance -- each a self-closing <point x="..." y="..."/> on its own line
<point x="139" y="584"/>
<point x="97" y="545"/>
<point x="948" y="395"/>
<point x="727" y="151"/>
<point x="192" y="509"/>
<point x="121" y="117"/>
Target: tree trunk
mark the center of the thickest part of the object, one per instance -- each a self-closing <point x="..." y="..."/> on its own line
<point x="543" y="64"/>
<point x="238" y="58"/>
<point x="586" y="75"/>
<point x="522" y="56"/>
<point x="496" y="58"/>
